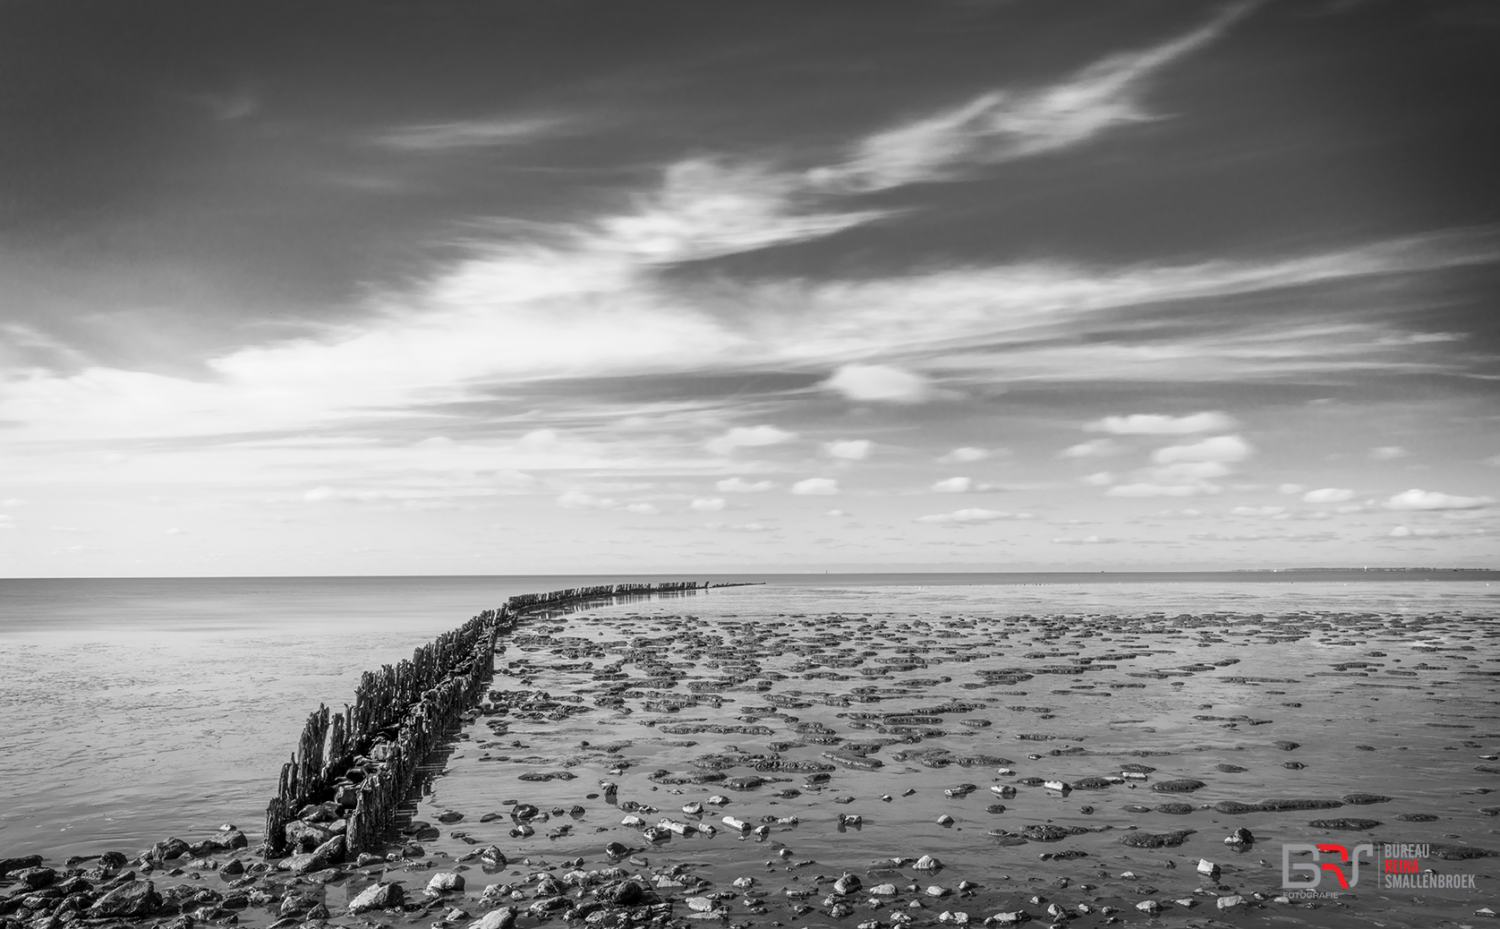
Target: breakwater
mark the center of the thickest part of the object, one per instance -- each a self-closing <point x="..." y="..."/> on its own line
<point x="339" y="792"/>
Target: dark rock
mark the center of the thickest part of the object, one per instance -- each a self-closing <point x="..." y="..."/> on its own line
<point x="168" y="850"/>
<point x="304" y="837"/>
<point x="137" y="898"/>
<point x="1180" y="785"/>
<point x="1458" y="852"/>
<point x="1155" y="840"/>
<point x="35" y="878"/>
<point x="1362" y="799"/>
<point x="1351" y="825"/>
<point x="8" y="865"/>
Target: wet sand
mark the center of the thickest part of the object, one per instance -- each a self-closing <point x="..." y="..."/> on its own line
<point x="857" y="743"/>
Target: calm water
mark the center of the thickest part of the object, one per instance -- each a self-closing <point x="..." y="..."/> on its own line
<point x="138" y="709"/>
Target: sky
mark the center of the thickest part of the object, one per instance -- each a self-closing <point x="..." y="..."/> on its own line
<point x="520" y="287"/>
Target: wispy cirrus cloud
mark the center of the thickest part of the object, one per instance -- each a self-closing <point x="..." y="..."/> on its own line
<point x="1003" y="125"/>
<point x="469" y="133"/>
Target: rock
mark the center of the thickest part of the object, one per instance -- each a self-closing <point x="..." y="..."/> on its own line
<point x="927" y="863"/>
<point x="445" y="882"/>
<point x="884" y="890"/>
<point x="326" y="855"/>
<point x="1231" y="901"/>
<point x="168" y="850"/>
<point x="382" y="895"/>
<point x="937" y="891"/>
<point x="945" y="820"/>
<point x="1207" y="867"/>
<point x="492" y="855"/>
<point x="1149" y="907"/>
<point x="1179" y="785"/>
<point x="1361" y="799"/>
<point x="112" y="860"/>
<point x="625" y="893"/>
<point x="1155" y="840"/>
<point x="35" y="878"/>
<point x="232" y="867"/>
<point x="137" y="898"/>
<point x="1240" y="837"/>
<point x="1346" y="824"/>
<point x="448" y="817"/>
<point x="848" y="884"/>
<point x="304" y="837"/>
<point x="23" y="862"/>
<point x="503" y="918"/>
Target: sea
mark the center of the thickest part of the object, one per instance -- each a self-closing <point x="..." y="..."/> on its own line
<point x="136" y="709"/>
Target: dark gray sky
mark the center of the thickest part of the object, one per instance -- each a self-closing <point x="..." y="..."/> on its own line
<point x="334" y="288"/>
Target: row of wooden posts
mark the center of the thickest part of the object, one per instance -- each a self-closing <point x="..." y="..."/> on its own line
<point x="400" y="714"/>
<point x="534" y="601"/>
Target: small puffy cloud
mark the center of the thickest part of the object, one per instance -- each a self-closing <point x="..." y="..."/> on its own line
<point x="1416" y="532"/>
<point x="816" y="486"/>
<point x="1415" y="499"/>
<point x="971" y="515"/>
<point x="1087" y="540"/>
<point x="1155" y="424"/>
<point x="1220" y="448"/>
<point x="738" y="485"/>
<point x="880" y="383"/>
<point x="1291" y="488"/>
<point x="1388" y="452"/>
<point x="953" y="485"/>
<point x="708" y="505"/>
<point x="578" y="500"/>
<point x="1094" y="448"/>
<point x="1147" y="489"/>
<point x="1263" y="511"/>
<point x="964" y="455"/>
<point x="738" y="527"/>
<point x="1186" y="472"/>
<point x="848" y="449"/>
<point x="1328" y="495"/>
<point x="1098" y="479"/>
<point x="835" y="513"/>
<point x="748" y="437"/>
<point x="537" y="440"/>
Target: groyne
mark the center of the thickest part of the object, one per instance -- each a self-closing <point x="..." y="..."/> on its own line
<point x="340" y="791"/>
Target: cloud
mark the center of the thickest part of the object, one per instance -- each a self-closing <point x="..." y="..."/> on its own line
<point x="577" y="500"/>
<point x="1098" y="479"/>
<point x="1002" y="126"/>
<point x="1157" y="424"/>
<point x="748" y="437"/>
<point x="835" y="513"/>
<point x="816" y="486"/>
<point x="1186" y="472"/>
<point x="1260" y="511"/>
<point x="1087" y="540"/>
<point x="1328" y="495"/>
<point x="738" y="485"/>
<point x="880" y="383"/>
<point x="849" y="449"/>
<point x="965" y="455"/>
<point x="467" y="134"/>
<point x="1290" y="488"/>
<point x="1219" y="449"/>
<point x="1094" y="448"/>
<point x="738" y="527"/>
<point x="1388" y="453"/>
<point x="972" y="515"/>
<point x="953" y="485"/>
<point x="1418" y="532"/>
<point x="1415" y="499"/>
<point x="1148" y="489"/>
<point x="708" y="505"/>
